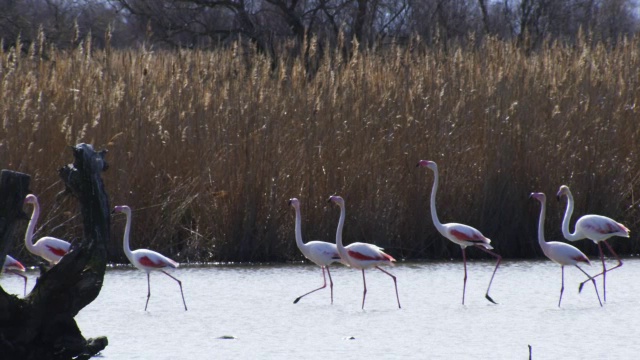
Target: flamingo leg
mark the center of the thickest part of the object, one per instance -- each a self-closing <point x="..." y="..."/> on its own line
<point x="179" y="284"/>
<point x="604" y="274"/>
<point x="25" y="280"/>
<point x="364" y="293"/>
<point x="395" y="283"/>
<point x="614" y="254"/>
<point x="594" y="283"/>
<point x="604" y="269"/>
<point x="148" y="292"/>
<point x="330" y="283"/>
<point x="321" y="287"/>
<point x="464" y="285"/>
<point x="561" y="287"/>
<point x="494" y="270"/>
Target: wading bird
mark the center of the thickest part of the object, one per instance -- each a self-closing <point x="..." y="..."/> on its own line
<point x="460" y="234"/>
<point x="595" y="228"/>
<point x="48" y="248"/>
<point x="320" y="252"/>
<point x="13" y="266"/>
<point x="560" y="253"/>
<point x="146" y="260"/>
<point x="361" y="255"/>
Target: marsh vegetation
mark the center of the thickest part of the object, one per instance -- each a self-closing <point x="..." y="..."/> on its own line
<point x="207" y="146"/>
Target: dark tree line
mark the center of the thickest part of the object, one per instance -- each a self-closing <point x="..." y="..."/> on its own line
<point x="271" y="23"/>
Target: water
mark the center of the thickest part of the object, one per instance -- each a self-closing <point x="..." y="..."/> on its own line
<point x="254" y="305"/>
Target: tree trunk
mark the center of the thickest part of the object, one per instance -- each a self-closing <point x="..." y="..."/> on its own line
<point x="14" y="186"/>
<point x="41" y="326"/>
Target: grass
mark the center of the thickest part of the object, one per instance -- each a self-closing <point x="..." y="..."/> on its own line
<point x="207" y="147"/>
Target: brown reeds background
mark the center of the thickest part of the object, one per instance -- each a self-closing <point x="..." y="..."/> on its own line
<point x="207" y="147"/>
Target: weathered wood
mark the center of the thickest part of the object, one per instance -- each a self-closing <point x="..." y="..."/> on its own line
<point x="41" y="326"/>
<point x="14" y="186"/>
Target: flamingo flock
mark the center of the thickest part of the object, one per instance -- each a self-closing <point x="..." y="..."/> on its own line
<point x="364" y="256"/>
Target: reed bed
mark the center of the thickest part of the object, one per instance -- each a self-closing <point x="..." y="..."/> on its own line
<point x="208" y="146"/>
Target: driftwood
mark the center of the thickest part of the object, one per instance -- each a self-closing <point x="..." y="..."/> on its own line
<point x="42" y="325"/>
<point x="14" y="186"/>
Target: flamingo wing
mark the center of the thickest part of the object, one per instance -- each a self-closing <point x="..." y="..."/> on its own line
<point x="597" y="227"/>
<point x="466" y="234"/>
<point x="53" y="245"/>
<point x="368" y="252"/>
<point x="12" y="264"/>
<point x="565" y="254"/>
<point x="151" y="260"/>
<point x="51" y="249"/>
<point x="323" y="253"/>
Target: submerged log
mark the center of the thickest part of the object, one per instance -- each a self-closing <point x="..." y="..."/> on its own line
<point x="42" y="325"/>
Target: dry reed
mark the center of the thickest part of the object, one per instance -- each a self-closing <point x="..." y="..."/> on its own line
<point x="207" y="147"/>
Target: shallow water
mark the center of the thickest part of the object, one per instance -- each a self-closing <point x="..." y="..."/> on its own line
<point x="254" y="305"/>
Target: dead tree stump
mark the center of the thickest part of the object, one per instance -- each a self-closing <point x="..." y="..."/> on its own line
<point x="42" y="325"/>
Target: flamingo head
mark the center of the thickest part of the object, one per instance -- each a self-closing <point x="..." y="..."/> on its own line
<point x="428" y="164"/>
<point x="31" y="199"/>
<point x="294" y="202"/>
<point x="564" y="190"/>
<point x="122" y="208"/>
<point x="337" y="200"/>
<point x="539" y="196"/>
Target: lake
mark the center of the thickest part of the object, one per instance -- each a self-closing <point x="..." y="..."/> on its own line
<point x="254" y="306"/>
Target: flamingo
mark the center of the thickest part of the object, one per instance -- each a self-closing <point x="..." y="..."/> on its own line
<point x="460" y="234"/>
<point x="320" y="252"/>
<point x="48" y="248"/>
<point x="595" y="228"/>
<point x="14" y="266"/>
<point x="361" y="255"/>
<point x="146" y="260"/>
<point x="558" y="252"/>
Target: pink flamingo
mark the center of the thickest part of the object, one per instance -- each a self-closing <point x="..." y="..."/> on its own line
<point x="595" y="228"/>
<point x="146" y="260"/>
<point x="14" y="266"/>
<point x="460" y="234"/>
<point x="48" y="248"/>
<point x="361" y="255"/>
<point x="558" y="252"/>
<point x="321" y="253"/>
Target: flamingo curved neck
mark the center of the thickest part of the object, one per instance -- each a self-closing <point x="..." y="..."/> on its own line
<point x="567" y="219"/>
<point x="541" y="241"/>
<point x="28" y="239"/>
<point x="341" y="249"/>
<point x="127" y="229"/>
<point x="434" y="214"/>
<point x="301" y="245"/>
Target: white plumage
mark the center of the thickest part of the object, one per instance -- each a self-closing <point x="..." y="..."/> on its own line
<point x="15" y="267"/>
<point x="596" y="228"/>
<point x="560" y="253"/>
<point x="146" y="260"/>
<point x="460" y="234"/>
<point x="361" y="255"/>
<point x="48" y="248"/>
<point x="320" y="253"/>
